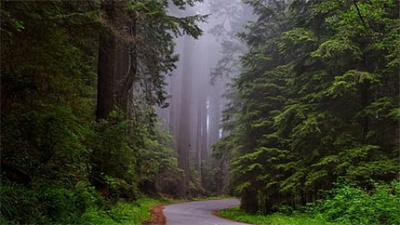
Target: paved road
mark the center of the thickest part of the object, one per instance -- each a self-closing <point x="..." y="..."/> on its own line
<point x="199" y="213"/>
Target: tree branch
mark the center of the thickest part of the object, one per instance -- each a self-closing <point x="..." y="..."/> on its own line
<point x="359" y="14"/>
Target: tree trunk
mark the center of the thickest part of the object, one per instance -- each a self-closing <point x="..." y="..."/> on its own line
<point x="106" y="76"/>
<point x="184" y="142"/>
<point x="126" y="69"/>
<point x="117" y="61"/>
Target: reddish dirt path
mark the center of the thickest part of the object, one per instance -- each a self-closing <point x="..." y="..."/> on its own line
<point x="157" y="216"/>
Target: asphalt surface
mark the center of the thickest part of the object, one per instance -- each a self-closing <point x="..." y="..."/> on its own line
<point x="199" y="213"/>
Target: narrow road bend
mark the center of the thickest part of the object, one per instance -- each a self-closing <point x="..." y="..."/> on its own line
<point x="199" y="213"/>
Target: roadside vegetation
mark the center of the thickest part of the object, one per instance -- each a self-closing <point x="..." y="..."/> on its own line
<point x="71" y="207"/>
<point x="346" y="204"/>
<point x="238" y="214"/>
<point x="122" y="213"/>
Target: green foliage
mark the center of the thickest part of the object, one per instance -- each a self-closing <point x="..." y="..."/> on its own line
<point x="123" y="165"/>
<point x="112" y="161"/>
<point x="121" y="213"/>
<point x="274" y="219"/>
<point x="350" y="204"/>
<point x="59" y="165"/>
<point x="155" y="29"/>
<point x="46" y="204"/>
<point x="159" y="166"/>
<point x="315" y="101"/>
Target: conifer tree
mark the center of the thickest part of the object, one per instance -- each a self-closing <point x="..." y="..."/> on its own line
<point x="318" y="97"/>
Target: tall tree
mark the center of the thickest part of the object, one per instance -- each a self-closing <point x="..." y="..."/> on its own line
<point x="313" y="93"/>
<point x="184" y="141"/>
<point x="140" y="34"/>
<point x="58" y="162"/>
<point x="231" y="17"/>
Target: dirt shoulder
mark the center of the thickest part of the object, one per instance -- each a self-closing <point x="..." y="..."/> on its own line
<point x="157" y="216"/>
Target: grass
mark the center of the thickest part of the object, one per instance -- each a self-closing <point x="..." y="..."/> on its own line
<point x="274" y="219"/>
<point x="122" y="213"/>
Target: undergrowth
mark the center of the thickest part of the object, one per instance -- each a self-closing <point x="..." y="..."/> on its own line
<point x="80" y="204"/>
<point x="121" y="213"/>
<point x="350" y="204"/>
<point x="236" y="213"/>
<point x="345" y="205"/>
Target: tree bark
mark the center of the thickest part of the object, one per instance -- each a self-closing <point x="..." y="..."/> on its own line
<point x="184" y="142"/>
<point x="117" y="61"/>
<point x="106" y="76"/>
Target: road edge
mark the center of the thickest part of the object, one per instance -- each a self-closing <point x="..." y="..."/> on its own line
<point x="215" y="213"/>
<point x="157" y="216"/>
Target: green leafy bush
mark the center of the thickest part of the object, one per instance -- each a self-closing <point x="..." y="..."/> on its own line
<point x="46" y="204"/>
<point x="350" y="204"/>
<point x="120" y="213"/>
<point x="19" y="204"/>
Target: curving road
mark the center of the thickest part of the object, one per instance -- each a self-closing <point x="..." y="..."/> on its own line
<point x="199" y="213"/>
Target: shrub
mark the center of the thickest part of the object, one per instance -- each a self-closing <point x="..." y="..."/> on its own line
<point x="350" y="204"/>
<point x="45" y="204"/>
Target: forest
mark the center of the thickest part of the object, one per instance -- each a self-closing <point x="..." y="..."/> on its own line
<point x="289" y="105"/>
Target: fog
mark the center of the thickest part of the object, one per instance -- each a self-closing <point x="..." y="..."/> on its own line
<point x="196" y="87"/>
